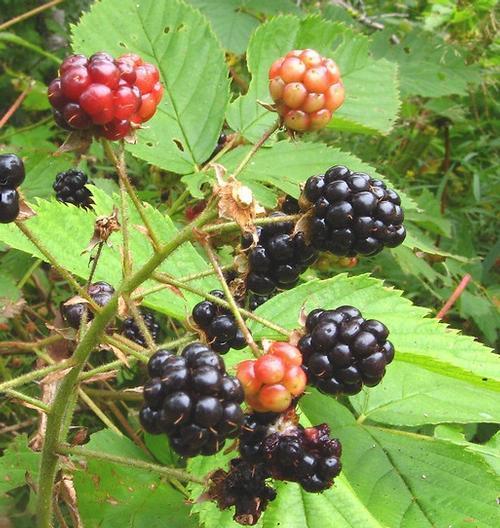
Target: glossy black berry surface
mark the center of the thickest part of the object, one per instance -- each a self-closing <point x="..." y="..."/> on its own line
<point x="278" y="258"/>
<point x="343" y="351"/>
<point x="12" y="172"/>
<point x="218" y="324"/>
<point x="70" y="188"/>
<point x="100" y="292"/>
<point x="192" y="399"/>
<point x="352" y="213"/>
<point x="9" y="205"/>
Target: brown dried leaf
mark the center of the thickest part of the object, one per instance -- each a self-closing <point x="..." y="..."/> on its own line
<point x="9" y="308"/>
<point x="119" y="355"/>
<point x="25" y="211"/>
<point x="78" y="142"/>
<point x="80" y="437"/>
<point x="101" y="377"/>
<point x="304" y="225"/>
<point x="236" y="202"/>
<point x="271" y="107"/>
<point x="295" y="336"/>
<point x="55" y="376"/>
<point x="103" y="228"/>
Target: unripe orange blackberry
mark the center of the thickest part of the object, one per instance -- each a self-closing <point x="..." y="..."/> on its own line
<point x="306" y="88"/>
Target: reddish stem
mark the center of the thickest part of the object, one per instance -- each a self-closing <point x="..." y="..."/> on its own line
<point x="15" y="105"/>
<point x="454" y="296"/>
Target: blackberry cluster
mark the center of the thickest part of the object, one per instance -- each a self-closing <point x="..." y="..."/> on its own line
<point x="244" y="487"/>
<point x="219" y="325"/>
<point x="131" y="331"/>
<point x="352" y="213"/>
<point x="342" y="350"/>
<point x="11" y="176"/>
<point x="101" y="292"/>
<point x="70" y="188"/>
<point x="291" y="452"/>
<point x="192" y="399"/>
<point x="278" y="258"/>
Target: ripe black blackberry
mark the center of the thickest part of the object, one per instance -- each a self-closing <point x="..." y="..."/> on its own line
<point x="342" y="350"/>
<point x="101" y="292"/>
<point x="11" y="176"/>
<point x="131" y="331"/>
<point x="352" y="213"/>
<point x="70" y="188"/>
<point x="291" y="452"/>
<point x="219" y="325"/>
<point x="192" y="399"/>
<point x="278" y="258"/>
<point x="244" y="487"/>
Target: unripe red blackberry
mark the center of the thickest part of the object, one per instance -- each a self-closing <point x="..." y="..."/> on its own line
<point x="70" y="188"/>
<point x="101" y="293"/>
<point x="278" y="259"/>
<point x="193" y="400"/>
<point x="342" y="351"/>
<point x="306" y="88"/>
<point x="219" y="325"/>
<point x="108" y="96"/>
<point x="291" y="452"/>
<point x="352" y="213"/>
<point x="131" y="330"/>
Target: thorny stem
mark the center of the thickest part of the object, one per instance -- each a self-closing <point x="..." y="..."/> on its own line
<point x="95" y="260"/>
<point x="225" y="227"/>
<point x="454" y="296"/>
<point x="114" y="395"/>
<point x="35" y="402"/>
<point x="127" y="347"/>
<point x="24" y="346"/>
<point x="162" y="277"/>
<point x="119" y="164"/>
<point x="139" y="321"/>
<point x="35" y="374"/>
<point x="53" y="262"/>
<point x="183" y="476"/>
<point x="55" y="431"/>
<point x="267" y="134"/>
<point x="98" y="412"/>
<point x="230" y="299"/>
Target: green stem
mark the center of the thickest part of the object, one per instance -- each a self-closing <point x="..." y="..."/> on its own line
<point x="57" y="417"/>
<point x="161" y="277"/>
<point x="34" y="375"/>
<point x="225" y="227"/>
<point x="169" y="472"/>
<point x="119" y="164"/>
<point x="5" y="346"/>
<point x="114" y="395"/>
<point x="28" y="399"/>
<point x="98" y="412"/>
<point x="230" y="299"/>
<point x="25" y="278"/>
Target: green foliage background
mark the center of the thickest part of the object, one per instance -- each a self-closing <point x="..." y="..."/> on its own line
<point x="421" y="449"/>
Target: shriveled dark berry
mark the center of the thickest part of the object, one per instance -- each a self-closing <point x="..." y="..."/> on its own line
<point x="70" y="188"/>
<point x="72" y="312"/>
<point x="131" y="330"/>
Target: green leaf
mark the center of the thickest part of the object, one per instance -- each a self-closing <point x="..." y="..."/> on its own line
<point x="18" y="464"/>
<point x="428" y="66"/>
<point x="410" y="395"/>
<point x="405" y="479"/>
<point x="114" y="496"/>
<point x="372" y="101"/>
<point x="288" y="164"/>
<point x="178" y="39"/>
<point x="67" y="240"/>
<point x="417" y="338"/>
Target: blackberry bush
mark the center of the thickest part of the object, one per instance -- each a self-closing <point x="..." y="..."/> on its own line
<point x="343" y="351"/>
<point x="192" y="400"/>
<point x="278" y="258"/>
<point x="70" y="188"/>
<point x="352" y="213"/>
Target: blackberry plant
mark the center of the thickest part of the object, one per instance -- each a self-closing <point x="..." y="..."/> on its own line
<point x="229" y="405"/>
